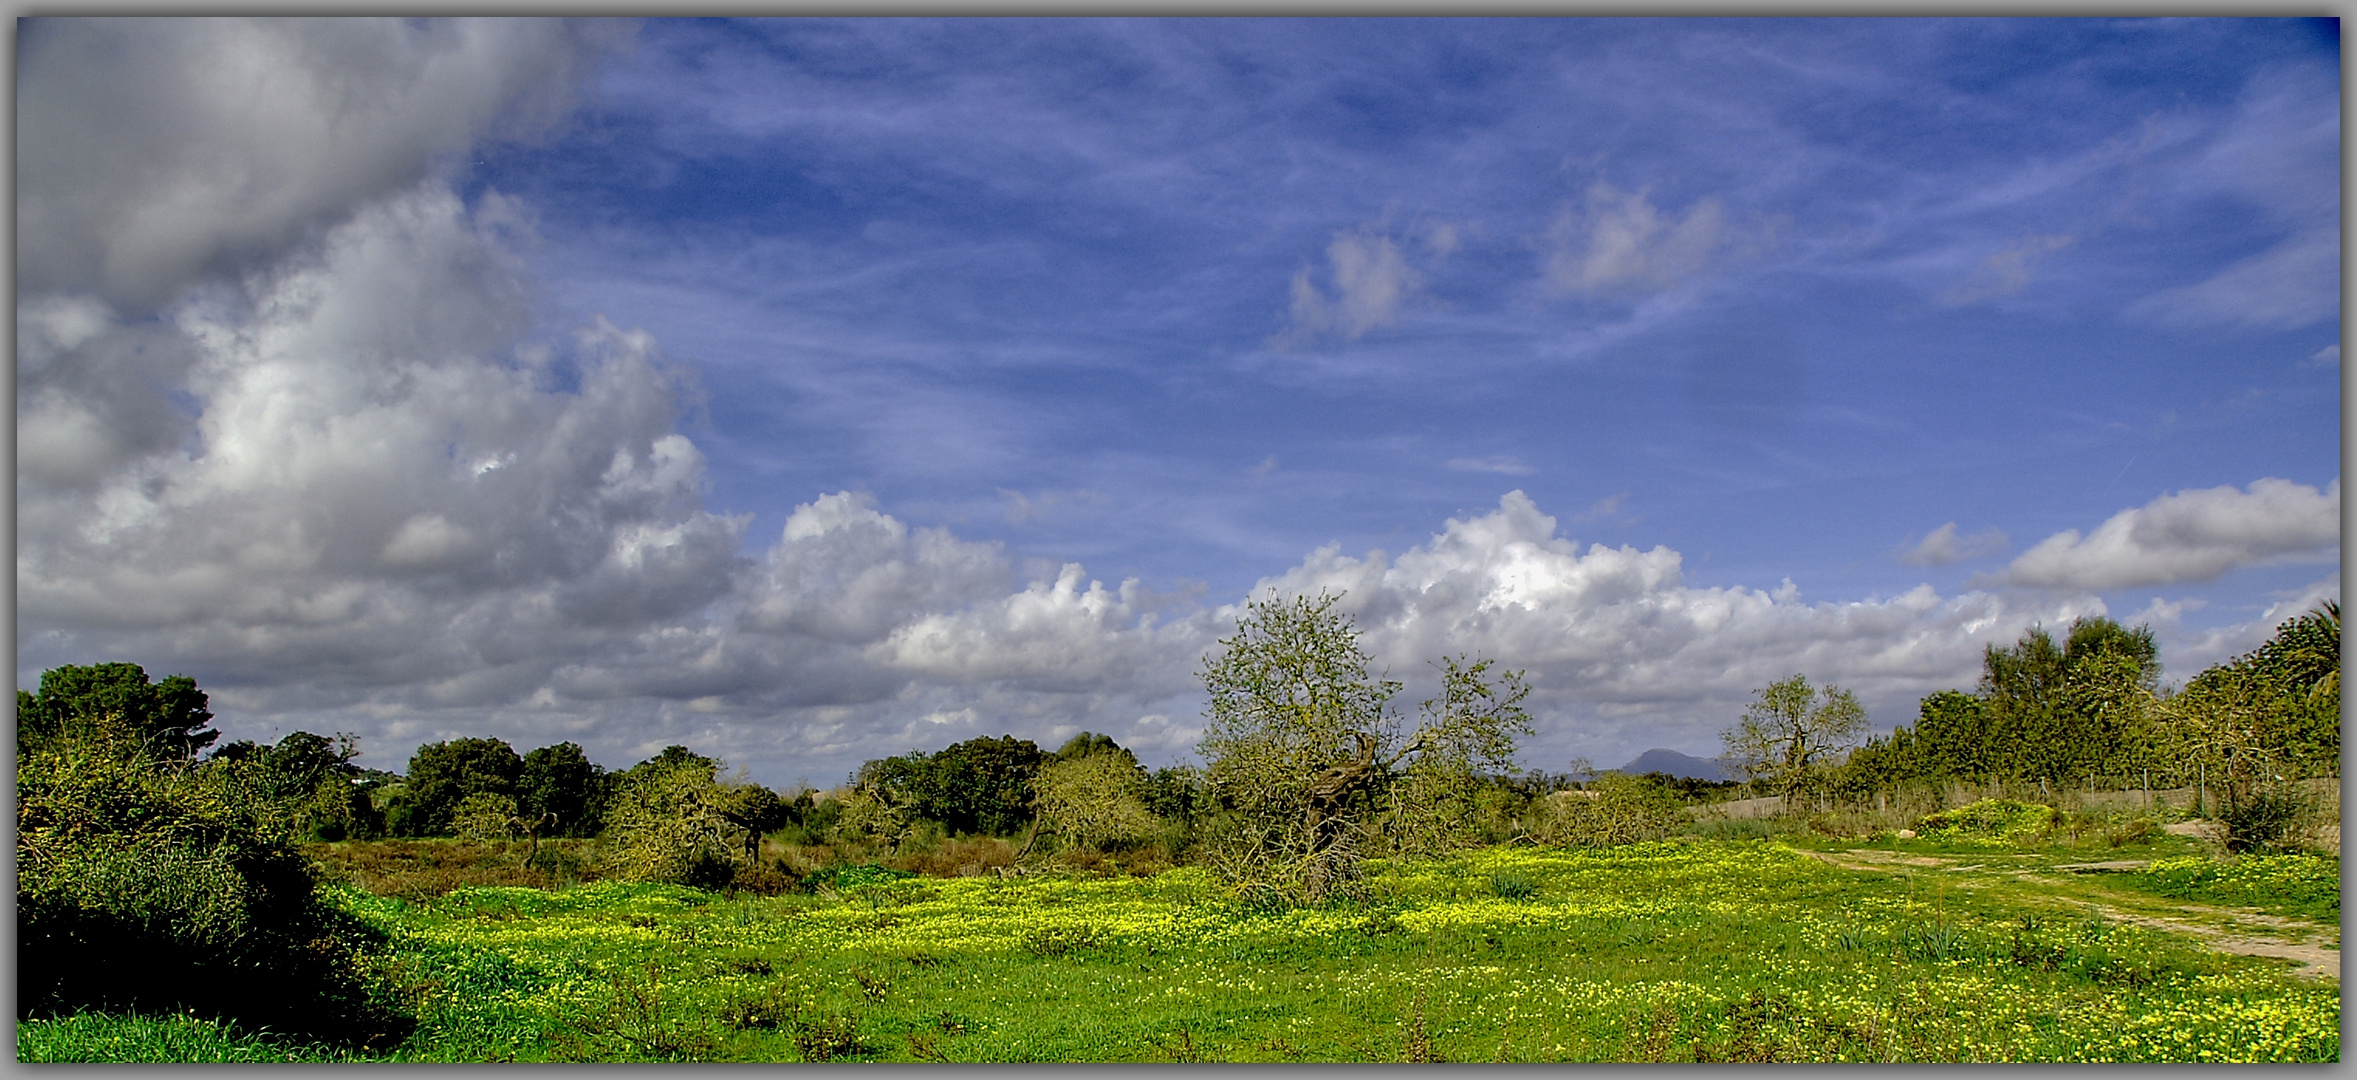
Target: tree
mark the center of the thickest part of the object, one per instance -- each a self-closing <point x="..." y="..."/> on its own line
<point x="1301" y="745"/>
<point x="1094" y="798"/>
<point x="2276" y="708"/>
<point x="167" y="718"/>
<point x="666" y="824"/>
<point x="1466" y="733"/>
<point x="1790" y="730"/>
<point x="147" y="883"/>
<point x="444" y="773"/>
<point x="980" y="785"/>
<point x="2057" y="711"/>
<point x="561" y="784"/>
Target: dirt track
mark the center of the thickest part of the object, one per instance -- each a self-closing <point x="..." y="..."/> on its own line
<point x="2240" y="931"/>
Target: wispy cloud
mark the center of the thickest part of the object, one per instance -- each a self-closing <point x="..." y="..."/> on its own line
<point x="1942" y="546"/>
<point x="1371" y="279"/>
<point x="2280" y="154"/>
<point x="1492" y="464"/>
<point x="1619" y="241"/>
<point x="2007" y="272"/>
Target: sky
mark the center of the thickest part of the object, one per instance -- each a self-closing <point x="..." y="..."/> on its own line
<point x="806" y="391"/>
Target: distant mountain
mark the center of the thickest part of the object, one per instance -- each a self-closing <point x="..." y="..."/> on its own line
<point x="1674" y="764"/>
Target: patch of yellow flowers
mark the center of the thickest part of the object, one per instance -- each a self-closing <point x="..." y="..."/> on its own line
<point x="557" y="949"/>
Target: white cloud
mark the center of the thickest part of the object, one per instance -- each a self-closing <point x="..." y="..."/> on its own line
<point x="1942" y="546"/>
<point x="2326" y="357"/>
<point x="1371" y="280"/>
<point x="2293" y="284"/>
<point x="2188" y="536"/>
<point x="1623" y="654"/>
<point x="2006" y="272"/>
<point x="2281" y="154"/>
<point x="1621" y="242"/>
<point x="1495" y="463"/>
<point x="153" y="153"/>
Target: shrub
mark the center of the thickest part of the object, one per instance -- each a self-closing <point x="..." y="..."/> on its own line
<point x="2265" y="819"/>
<point x="1997" y="820"/>
<point x="152" y="885"/>
<point x="1614" y="809"/>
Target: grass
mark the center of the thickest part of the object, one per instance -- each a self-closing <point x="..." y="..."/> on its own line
<point x="97" y="1037"/>
<point x="2298" y="884"/>
<point x="1717" y="950"/>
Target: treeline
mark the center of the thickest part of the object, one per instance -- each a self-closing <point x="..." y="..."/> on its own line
<point x="2089" y="711"/>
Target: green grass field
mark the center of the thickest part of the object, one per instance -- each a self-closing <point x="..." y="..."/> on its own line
<point x="1712" y="950"/>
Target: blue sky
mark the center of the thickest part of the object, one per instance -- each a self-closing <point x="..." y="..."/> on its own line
<point x="753" y="384"/>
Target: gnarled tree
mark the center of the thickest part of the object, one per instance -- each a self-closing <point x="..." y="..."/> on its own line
<point x="1303" y="751"/>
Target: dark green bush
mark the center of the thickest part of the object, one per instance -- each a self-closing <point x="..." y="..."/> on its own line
<point x="2264" y="819"/>
<point x="150" y="885"/>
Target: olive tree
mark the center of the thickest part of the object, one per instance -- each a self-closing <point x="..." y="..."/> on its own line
<point x="1095" y="798"/>
<point x="1302" y="749"/>
<point x="1791" y="730"/>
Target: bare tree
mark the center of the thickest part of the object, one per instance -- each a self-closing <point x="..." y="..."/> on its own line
<point x="1791" y="730"/>
<point x="1302" y="747"/>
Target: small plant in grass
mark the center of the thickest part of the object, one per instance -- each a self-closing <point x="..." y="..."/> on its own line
<point x="1180" y="1049"/>
<point x="637" y="1024"/>
<point x="1417" y="1049"/>
<point x="1512" y="885"/>
<point x="821" y="1035"/>
<point x="1053" y="941"/>
<point x="2265" y="820"/>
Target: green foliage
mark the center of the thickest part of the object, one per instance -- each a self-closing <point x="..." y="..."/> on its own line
<point x="1301" y="747"/>
<point x="1613" y="809"/>
<point x="147" y="883"/>
<point x="2295" y="884"/>
<point x="166" y="720"/>
<point x="485" y="816"/>
<point x="315" y="777"/>
<point x="2265" y="818"/>
<point x="2005" y="821"/>
<point x="2269" y="712"/>
<point x="679" y="823"/>
<point x="1095" y="799"/>
<point x="1790" y="731"/>
<point x="981" y="786"/>
<point x="443" y="774"/>
<point x="561" y="784"/>
<point x="2088" y="705"/>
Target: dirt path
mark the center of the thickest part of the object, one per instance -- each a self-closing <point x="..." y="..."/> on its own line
<point x="2245" y="933"/>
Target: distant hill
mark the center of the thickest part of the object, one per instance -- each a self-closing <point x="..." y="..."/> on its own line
<point x="1676" y="764"/>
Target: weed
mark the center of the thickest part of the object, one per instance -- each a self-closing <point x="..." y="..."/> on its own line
<point x="925" y="1046"/>
<point x="1417" y="1048"/>
<point x="1512" y="885"/>
<point x="1054" y="941"/>
<point x="1936" y="941"/>
<point x="873" y="986"/>
<point x="635" y="1026"/>
<point x="825" y="1036"/>
<point x="1180" y="1050"/>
